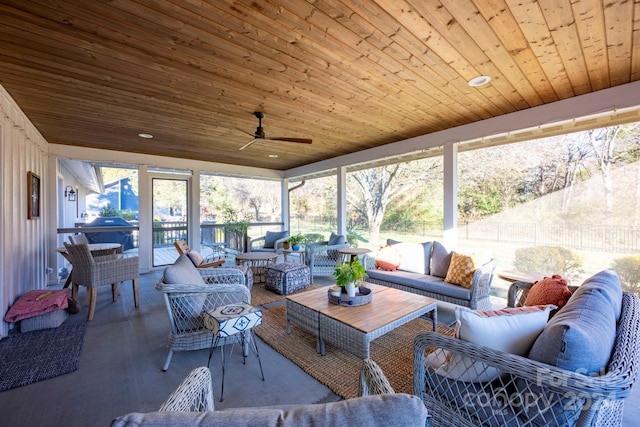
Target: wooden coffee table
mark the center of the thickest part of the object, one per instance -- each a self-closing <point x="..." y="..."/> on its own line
<point x="257" y="261"/>
<point x="353" y="328"/>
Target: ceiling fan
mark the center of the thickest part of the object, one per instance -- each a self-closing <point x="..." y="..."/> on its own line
<point x="259" y="134"/>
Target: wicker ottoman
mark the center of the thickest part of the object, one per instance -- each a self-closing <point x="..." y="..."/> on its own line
<point x="287" y="277"/>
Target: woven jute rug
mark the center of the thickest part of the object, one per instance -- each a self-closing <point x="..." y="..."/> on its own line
<point x="338" y="369"/>
<point x="261" y="296"/>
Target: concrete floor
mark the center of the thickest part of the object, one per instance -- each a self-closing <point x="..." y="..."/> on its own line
<point x="120" y="370"/>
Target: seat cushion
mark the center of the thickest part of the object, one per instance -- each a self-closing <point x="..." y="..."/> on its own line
<point x="195" y="257"/>
<point x="440" y="260"/>
<point x="422" y="282"/>
<point x="581" y="334"/>
<point x="578" y="338"/>
<point x="511" y="330"/>
<point x="401" y="410"/>
<point x="271" y="237"/>
<point x="182" y="272"/>
<point x="337" y="239"/>
<point x="414" y="257"/>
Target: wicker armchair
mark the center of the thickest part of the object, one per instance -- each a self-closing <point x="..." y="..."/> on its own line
<point x="276" y="239"/>
<point x="194" y="394"/>
<point x="185" y="304"/>
<point x="322" y="258"/>
<point x="529" y="393"/>
<point x="96" y="271"/>
<point x="373" y="380"/>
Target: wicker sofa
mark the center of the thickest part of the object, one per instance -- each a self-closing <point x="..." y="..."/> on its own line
<point x="423" y="269"/>
<point x="557" y="382"/>
<point x="192" y="405"/>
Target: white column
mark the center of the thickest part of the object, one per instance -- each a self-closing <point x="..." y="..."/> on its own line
<point x="285" y="213"/>
<point x="145" y="220"/>
<point x="193" y="204"/>
<point x="450" y="195"/>
<point x="341" y="206"/>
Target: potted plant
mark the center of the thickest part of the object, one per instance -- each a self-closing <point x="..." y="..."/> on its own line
<point x="296" y="240"/>
<point x="349" y="275"/>
<point x="235" y="228"/>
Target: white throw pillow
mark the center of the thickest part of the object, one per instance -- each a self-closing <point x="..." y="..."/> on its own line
<point x="510" y="330"/>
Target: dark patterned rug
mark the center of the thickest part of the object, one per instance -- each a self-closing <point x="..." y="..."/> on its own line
<point x="39" y="355"/>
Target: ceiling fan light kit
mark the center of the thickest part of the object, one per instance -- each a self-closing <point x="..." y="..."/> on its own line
<point x="260" y="135"/>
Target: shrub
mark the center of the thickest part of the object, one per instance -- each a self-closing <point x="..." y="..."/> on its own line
<point x="628" y="268"/>
<point x="549" y="260"/>
<point x="314" y="237"/>
<point x="108" y="211"/>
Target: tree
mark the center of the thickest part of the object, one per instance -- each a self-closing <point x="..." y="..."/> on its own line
<point x="372" y="190"/>
<point x="603" y="143"/>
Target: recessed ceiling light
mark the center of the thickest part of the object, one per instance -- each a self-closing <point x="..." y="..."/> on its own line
<point x="273" y="156"/>
<point x="145" y="135"/>
<point x="479" y="81"/>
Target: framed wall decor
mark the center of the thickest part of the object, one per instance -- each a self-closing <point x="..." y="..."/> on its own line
<point x="33" y="195"/>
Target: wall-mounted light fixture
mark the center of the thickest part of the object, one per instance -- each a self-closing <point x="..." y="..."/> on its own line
<point x="69" y="193"/>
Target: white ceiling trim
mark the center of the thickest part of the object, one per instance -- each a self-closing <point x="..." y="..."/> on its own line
<point x="122" y="157"/>
<point x="603" y="103"/>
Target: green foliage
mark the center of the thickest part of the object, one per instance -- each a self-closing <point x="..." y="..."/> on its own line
<point x="346" y="272"/>
<point x="628" y="268"/>
<point x="549" y="260"/>
<point x="353" y="238"/>
<point x="108" y="211"/>
<point x="127" y="215"/>
<point x="297" y="239"/>
<point x="233" y="223"/>
<point x="313" y="237"/>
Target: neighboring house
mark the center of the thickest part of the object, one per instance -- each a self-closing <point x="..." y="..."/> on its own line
<point x="119" y="194"/>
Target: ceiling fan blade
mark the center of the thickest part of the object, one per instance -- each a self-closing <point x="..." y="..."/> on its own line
<point x="247" y="144"/>
<point x="248" y="133"/>
<point x="300" y="140"/>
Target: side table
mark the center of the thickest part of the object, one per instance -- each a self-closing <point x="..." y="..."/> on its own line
<point x="257" y="261"/>
<point x="229" y="321"/>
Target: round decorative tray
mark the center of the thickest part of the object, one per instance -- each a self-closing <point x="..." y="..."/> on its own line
<point x="363" y="296"/>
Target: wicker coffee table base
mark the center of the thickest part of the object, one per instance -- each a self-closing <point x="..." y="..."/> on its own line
<point x="344" y="335"/>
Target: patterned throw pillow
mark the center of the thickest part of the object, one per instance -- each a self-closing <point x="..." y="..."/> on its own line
<point x="388" y="258"/>
<point x="462" y="268"/>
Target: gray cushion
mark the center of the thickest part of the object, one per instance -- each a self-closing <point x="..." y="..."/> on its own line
<point x="182" y="272"/>
<point x="581" y="334"/>
<point x="271" y="237"/>
<point x="440" y="260"/>
<point x="422" y="282"/>
<point x="337" y="239"/>
<point x="578" y="338"/>
<point x="371" y="411"/>
<point x="608" y="283"/>
<point x="195" y="257"/>
<point x="414" y="257"/>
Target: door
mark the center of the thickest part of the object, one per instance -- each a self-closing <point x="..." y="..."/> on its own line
<point x="170" y="210"/>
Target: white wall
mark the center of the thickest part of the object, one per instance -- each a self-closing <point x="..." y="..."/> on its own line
<point x="23" y="248"/>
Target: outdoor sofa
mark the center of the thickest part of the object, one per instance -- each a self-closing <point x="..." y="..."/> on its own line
<point x="423" y="268"/>
<point x="577" y="371"/>
<point x="192" y="404"/>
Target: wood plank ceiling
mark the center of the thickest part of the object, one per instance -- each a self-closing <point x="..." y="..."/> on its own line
<point x="349" y="74"/>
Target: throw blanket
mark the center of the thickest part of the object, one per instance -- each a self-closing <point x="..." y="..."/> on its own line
<point x="37" y="302"/>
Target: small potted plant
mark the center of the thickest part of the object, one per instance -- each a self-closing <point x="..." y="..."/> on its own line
<point x="349" y="275"/>
<point x="295" y="241"/>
